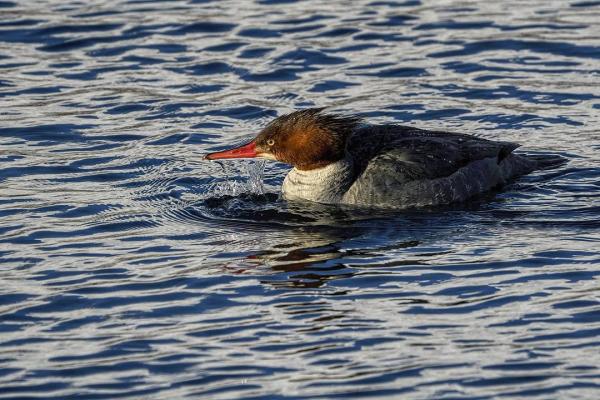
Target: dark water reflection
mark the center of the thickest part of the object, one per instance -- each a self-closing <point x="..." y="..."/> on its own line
<point x="131" y="268"/>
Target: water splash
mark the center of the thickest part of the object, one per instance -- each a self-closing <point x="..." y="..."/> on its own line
<point x="248" y="180"/>
<point x="256" y="174"/>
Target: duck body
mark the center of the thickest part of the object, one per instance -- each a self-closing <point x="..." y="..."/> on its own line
<point x="396" y="166"/>
<point x="387" y="166"/>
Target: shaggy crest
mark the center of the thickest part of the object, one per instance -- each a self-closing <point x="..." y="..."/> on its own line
<point x="337" y="124"/>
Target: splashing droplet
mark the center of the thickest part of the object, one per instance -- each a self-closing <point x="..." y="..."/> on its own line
<point x="254" y="171"/>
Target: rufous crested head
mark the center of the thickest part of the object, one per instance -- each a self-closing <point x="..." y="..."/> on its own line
<point x="306" y="139"/>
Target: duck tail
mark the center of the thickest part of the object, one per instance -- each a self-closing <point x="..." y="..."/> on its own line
<point x="547" y="161"/>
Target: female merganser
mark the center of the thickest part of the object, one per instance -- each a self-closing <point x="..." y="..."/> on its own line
<point x="339" y="160"/>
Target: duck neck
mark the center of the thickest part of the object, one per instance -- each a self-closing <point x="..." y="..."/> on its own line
<point x="323" y="185"/>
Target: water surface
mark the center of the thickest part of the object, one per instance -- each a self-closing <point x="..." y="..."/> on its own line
<point x="132" y="268"/>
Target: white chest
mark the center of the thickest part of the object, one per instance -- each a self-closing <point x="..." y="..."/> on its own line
<point x="322" y="185"/>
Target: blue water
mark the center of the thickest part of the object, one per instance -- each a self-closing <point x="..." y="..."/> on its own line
<point x="132" y="268"/>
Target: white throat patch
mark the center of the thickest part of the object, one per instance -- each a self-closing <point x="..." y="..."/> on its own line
<point x="322" y="185"/>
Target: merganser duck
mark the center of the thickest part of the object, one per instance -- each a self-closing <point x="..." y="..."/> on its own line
<point x="340" y="160"/>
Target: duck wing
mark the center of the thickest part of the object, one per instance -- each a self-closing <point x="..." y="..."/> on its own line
<point x="400" y="154"/>
<point x="401" y="167"/>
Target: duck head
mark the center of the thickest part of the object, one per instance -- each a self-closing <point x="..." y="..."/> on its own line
<point x="305" y="139"/>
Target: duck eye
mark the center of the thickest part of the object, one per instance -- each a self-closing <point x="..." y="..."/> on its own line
<point x="270" y="142"/>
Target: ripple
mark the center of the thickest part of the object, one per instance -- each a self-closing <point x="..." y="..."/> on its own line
<point x="556" y="48"/>
<point x="202" y="27"/>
